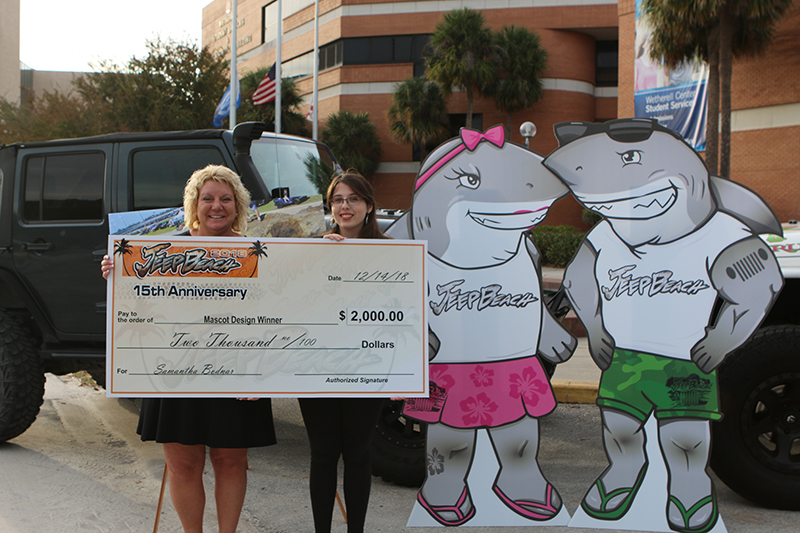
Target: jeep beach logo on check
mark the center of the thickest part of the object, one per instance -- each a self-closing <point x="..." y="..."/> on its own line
<point x="168" y="259"/>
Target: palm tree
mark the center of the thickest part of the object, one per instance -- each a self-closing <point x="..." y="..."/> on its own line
<point x="318" y="172"/>
<point x="715" y="31"/>
<point x="257" y="250"/>
<point x="418" y="114"/>
<point x="123" y="248"/>
<point x="353" y="140"/>
<point x="463" y="56"/>
<point x="292" y="120"/>
<point x="522" y="62"/>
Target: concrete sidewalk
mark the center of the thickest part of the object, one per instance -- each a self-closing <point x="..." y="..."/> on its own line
<point x="574" y="381"/>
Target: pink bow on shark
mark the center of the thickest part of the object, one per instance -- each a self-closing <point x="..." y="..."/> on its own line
<point x="471" y="138"/>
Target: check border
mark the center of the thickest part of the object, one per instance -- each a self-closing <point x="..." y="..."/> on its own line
<point x="179" y="302"/>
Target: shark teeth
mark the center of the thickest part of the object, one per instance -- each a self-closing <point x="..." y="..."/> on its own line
<point x="507" y="221"/>
<point x="645" y="206"/>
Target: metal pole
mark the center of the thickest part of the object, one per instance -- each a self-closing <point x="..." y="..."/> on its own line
<point x="234" y="74"/>
<point x="278" y="70"/>
<point x="315" y="97"/>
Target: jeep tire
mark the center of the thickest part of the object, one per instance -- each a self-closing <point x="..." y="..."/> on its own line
<point x="398" y="447"/>
<point x="756" y="448"/>
<point x="21" y="378"/>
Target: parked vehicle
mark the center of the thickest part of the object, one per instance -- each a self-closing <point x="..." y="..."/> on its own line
<point x="55" y="198"/>
<point x="757" y="445"/>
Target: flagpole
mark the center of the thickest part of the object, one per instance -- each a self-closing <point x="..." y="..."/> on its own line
<point x="234" y="75"/>
<point x="315" y="97"/>
<point x="278" y="70"/>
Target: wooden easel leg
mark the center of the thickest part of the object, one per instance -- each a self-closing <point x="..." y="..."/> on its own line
<point x="161" y="498"/>
<point x="341" y="506"/>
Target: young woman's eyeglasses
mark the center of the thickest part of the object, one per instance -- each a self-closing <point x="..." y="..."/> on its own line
<point x="352" y="201"/>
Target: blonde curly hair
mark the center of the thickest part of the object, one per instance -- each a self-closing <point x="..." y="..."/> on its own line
<point x="223" y="175"/>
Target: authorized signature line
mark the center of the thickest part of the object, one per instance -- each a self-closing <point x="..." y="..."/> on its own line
<point x="359" y="374"/>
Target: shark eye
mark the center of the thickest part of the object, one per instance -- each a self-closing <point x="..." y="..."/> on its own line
<point x="631" y="157"/>
<point x="471" y="179"/>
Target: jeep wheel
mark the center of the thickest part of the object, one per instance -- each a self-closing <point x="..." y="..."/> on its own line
<point x="21" y="378"/>
<point x="757" y="445"/>
<point x="398" y="447"/>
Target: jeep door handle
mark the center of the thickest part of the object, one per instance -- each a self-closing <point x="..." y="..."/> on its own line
<point x="36" y="246"/>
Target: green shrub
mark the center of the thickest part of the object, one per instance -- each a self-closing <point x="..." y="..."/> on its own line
<point x="590" y="218"/>
<point x="557" y="244"/>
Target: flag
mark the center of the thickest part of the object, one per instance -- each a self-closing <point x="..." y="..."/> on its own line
<point x="310" y="114"/>
<point x="224" y="106"/>
<point x="266" y="89"/>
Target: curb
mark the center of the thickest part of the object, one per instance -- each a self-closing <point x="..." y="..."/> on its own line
<point x="575" y="391"/>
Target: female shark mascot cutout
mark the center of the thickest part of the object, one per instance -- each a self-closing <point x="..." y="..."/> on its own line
<point x="669" y="282"/>
<point x="474" y="198"/>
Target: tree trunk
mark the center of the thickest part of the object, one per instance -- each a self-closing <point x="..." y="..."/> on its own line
<point x="469" y="108"/>
<point x="712" y="111"/>
<point x="725" y="74"/>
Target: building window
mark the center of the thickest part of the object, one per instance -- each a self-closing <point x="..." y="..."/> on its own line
<point x="607" y="65"/>
<point x="64" y="187"/>
<point x="362" y="51"/>
<point x="269" y="27"/>
<point x="269" y="16"/>
<point x="331" y="55"/>
<point x="299" y="67"/>
<point x="385" y="50"/>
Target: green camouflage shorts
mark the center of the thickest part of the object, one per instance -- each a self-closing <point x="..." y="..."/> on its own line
<point x="639" y="383"/>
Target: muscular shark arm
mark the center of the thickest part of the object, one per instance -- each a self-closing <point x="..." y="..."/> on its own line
<point x="747" y="279"/>
<point x="556" y="343"/>
<point x="584" y="294"/>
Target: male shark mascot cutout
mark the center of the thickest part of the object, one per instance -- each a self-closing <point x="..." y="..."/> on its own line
<point x="474" y="198"/>
<point x="669" y="282"/>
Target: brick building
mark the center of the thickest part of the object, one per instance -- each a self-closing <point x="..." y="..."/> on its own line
<point x="367" y="46"/>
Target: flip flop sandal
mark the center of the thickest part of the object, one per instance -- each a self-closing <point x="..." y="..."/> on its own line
<point x="619" y="511"/>
<point x="687" y="514"/>
<point x="461" y="516"/>
<point x="529" y="508"/>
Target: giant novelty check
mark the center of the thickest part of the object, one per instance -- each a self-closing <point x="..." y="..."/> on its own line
<point x="238" y="317"/>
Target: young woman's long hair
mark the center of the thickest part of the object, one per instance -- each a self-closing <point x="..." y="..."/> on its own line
<point x="360" y="186"/>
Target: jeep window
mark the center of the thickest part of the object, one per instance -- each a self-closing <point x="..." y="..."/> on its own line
<point x="301" y="167"/>
<point x="159" y="176"/>
<point x="64" y="187"/>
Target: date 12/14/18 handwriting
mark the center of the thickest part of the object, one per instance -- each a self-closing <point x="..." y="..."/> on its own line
<point x="379" y="276"/>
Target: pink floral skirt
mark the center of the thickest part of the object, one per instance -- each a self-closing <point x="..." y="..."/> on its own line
<point x="474" y="395"/>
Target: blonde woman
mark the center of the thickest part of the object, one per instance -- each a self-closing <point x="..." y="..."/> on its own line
<point x="216" y="204"/>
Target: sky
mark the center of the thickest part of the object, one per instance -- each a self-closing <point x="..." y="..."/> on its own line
<point x="68" y="36"/>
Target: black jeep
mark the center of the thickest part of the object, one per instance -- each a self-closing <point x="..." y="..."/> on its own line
<point x="55" y="198"/>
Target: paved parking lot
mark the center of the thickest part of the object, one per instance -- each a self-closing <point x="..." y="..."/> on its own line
<point x="81" y="467"/>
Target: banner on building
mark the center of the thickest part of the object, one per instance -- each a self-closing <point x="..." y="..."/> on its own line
<point x="676" y="97"/>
